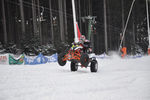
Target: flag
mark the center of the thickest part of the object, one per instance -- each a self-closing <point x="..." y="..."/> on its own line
<point x="79" y="33"/>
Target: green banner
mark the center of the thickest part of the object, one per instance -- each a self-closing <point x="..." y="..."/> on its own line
<point x="16" y="61"/>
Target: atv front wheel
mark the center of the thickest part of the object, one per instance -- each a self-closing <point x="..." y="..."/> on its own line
<point x="84" y="59"/>
<point x="60" y="59"/>
<point x="74" y="66"/>
<point x="94" y="66"/>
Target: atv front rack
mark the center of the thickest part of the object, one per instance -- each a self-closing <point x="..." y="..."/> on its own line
<point x="72" y="55"/>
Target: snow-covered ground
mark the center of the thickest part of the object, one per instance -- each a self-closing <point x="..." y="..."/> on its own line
<point x="117" y="79"/>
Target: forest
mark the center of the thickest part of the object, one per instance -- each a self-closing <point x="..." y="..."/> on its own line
<point x="34" y="26"/>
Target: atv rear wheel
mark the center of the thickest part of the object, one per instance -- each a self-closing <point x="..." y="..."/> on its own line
<point x="94" y="66"/>
<point x="60" y="59"/>
<point x="84" y="59"/>
<point x="74" y="66"/>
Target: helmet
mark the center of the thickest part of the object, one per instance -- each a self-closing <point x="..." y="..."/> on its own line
<point x="82" y="38"/>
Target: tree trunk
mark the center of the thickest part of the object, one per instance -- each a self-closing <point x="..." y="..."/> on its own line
<point x="90" y="7"/>
<point x="123" y="22"/>
<point x="39" y="23"/>
<point x="4" y="22"/>
<point x="148" y="28"/>
<point x="109" y="25"/>
<point x="61" y="20"/>
<point x="105" y="26"/>
<point x="22" y="18"/>
<point x="34" y="17"/>
<point x="133" y="37"/>
<point x="51" y="21"/>
<point x="65" y="20"/>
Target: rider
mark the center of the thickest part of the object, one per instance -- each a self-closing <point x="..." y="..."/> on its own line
<point x="85" y="44"/>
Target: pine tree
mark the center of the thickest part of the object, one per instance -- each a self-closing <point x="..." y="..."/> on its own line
<point x="142" y="35"/>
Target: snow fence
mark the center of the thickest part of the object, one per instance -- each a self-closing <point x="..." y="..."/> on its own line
<point x="40" y="59"/>
<point x="4" y="59"/>
<point x="14" y="60"/>
<point x="11" y="59"/>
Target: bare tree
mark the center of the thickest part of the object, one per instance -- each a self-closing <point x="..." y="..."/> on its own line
<point x="105" y="26"/>
<point x="123" y="22"/>
<point x="90" y="6"/>
<point x="22" y="18"/>
<point x="51" y="21"/>
<point x="34" y="17"/>
<point x="61" y="20"/>
<point x="39" y="22"/>
<point x="4" y="22"/>
<point x="65" y="19"/>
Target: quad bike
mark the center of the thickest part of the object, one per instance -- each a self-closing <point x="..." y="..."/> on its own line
<point x="78" y="57"/>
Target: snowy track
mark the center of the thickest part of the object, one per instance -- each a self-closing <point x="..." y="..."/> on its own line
<point x="117" y="79"/>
